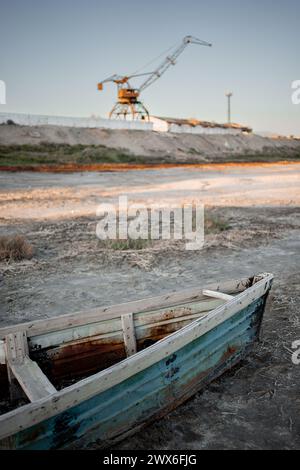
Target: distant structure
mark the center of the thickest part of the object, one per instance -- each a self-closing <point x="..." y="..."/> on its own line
<point x="194" y="126"/>
<point x="229" y="95"/>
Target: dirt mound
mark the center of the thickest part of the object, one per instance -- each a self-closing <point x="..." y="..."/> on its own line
<point x="163" y="146"/>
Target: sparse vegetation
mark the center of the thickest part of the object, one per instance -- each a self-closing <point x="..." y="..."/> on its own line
<point x="215" y="224"/>
<point x="15" y="248"/>
<point x="34" y="156"/>
<point x="193" y="151"/>
<point x="263" y="157"/>
<point x="51" y="154"/>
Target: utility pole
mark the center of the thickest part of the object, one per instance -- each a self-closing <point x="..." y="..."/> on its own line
<point x="229" y="95"/>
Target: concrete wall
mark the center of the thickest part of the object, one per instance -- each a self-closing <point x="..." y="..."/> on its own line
<point x="39" y="120"/>
<point x="156" y="124"/>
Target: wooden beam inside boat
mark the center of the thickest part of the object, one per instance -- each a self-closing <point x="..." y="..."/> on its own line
<point x="217" y="294"/>
<point x="32" y="380"/>
<point x="24" y="372"/>
<point x="129" y="334"/>
<point x="16" y="347"/>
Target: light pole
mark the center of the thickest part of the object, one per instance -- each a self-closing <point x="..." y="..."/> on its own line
<point x="229" y="95"/>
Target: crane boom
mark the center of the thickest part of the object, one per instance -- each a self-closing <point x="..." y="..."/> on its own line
<point x="171" y="60"/>
<point x="121" y="79"/>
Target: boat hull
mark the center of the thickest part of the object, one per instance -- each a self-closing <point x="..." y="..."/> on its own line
<point x="152" y="392"/>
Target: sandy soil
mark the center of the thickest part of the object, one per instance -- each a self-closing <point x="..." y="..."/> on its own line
<point x="255" y="405"/>
<point x="33" y="195"/>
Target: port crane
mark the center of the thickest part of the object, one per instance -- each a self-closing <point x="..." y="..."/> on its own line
<point x="128" y="103"/>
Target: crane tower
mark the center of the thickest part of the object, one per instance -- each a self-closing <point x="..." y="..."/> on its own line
<point x="128" y="103"/>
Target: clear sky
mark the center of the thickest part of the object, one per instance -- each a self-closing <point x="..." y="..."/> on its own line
<point x="53" y="53"/>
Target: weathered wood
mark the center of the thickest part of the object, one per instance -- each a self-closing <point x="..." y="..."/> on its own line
<point x="105" y="327"/>
<point x="15" y="390"/>
<point x="65" y="399"/>
<point x="2" y="352"/>
<point x="16" y="349"/>
<point x="217" y="294"/>
<point x="22" y="371"/>
<point x="141" y="333"/>
<point x="129" y="334"/>
<point x="32" y="380"/>
<point x="83" y="318"/>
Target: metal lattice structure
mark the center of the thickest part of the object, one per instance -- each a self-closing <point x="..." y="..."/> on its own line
<point x="128" y="103"/>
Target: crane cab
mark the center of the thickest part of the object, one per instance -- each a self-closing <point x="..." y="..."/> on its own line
<point x="127" y="95"/>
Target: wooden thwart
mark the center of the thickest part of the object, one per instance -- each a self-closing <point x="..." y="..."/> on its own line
<point x="129" y="334"/>
<point x="24" y="371"/>
<point x="32" y="380"/>
<point x="217" y="294"/>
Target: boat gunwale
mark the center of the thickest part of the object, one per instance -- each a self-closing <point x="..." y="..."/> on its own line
<point x="36" y="412"/>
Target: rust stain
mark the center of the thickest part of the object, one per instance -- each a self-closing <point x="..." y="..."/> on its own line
<point x="78" y="359"/>
<point x="229" y="352"/>
<point x="119" y="167"/>
<point x="205" y="377"/>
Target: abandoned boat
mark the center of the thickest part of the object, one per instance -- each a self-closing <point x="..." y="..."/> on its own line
<point x="88" y="379"/>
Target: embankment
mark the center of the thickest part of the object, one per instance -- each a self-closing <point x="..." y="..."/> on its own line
<point x="50" y="145"/>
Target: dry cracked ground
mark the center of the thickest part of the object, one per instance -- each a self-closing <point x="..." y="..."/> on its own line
<point x="256" y="228"/>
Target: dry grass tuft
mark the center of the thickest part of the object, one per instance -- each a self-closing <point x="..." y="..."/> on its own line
<point x="215" y="224"/>
<point x="15" y="248"/>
